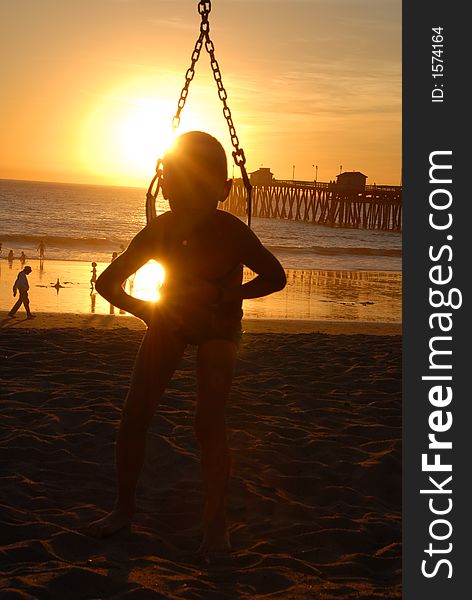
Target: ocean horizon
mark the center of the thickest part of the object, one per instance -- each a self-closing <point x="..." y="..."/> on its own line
<point x="88" y="222"/>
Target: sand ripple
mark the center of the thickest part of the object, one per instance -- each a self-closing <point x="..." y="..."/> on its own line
<point x="314" y="499"/>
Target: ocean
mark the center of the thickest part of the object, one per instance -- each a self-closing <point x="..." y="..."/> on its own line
<point x="89" y="222"/>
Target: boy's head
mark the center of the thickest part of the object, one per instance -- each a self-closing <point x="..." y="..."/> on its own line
<point x="195" y="174"/>
<point x="27" y="270"/>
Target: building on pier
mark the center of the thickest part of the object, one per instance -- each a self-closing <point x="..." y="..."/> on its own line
<point x="262" y="176"/>
<point x="351" y="180"/>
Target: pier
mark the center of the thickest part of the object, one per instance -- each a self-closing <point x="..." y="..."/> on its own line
<point x="375" y="207"/>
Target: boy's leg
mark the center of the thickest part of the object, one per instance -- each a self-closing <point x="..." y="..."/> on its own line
<point x="157" y="359"/>
<point x="215" y="367"/>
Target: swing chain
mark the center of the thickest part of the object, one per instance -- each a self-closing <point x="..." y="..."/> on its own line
<point x="189" y="75"/>
<point x="204" y="9"/>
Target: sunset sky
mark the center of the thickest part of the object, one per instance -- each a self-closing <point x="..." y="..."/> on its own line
<point x="89" y="88"/>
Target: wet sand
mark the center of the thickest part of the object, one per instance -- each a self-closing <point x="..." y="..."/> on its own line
<point x="309" y="295"/>
<point x="315" y="496"/>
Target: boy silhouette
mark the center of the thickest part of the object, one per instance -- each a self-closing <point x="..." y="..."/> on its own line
<point x="202" y="250"/>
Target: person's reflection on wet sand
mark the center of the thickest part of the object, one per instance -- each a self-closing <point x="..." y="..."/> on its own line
<point x="93" y="301"/>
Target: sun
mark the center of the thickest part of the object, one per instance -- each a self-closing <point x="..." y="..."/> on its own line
<point x="124" y="135"/>
<point x="147" y="281"/>
<point x="144" y="133"/>
<point x="129" y="127"/>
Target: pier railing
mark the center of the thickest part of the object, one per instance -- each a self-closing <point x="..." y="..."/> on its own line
<point x="375" y="207"/>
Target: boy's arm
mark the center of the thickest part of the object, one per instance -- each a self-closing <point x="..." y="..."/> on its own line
<point x="110" y="283"/>
<point x="270" y="275"/>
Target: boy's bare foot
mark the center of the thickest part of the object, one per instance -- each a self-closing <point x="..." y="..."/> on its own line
<point x="109" y="525"/>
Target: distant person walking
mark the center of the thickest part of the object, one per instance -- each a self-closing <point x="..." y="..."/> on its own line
<point x="41" y="248"/>
<point x="113" y="256"/>
<point x="21" y="286"/>
<point x="22" y="258"/>
<point x="94" y="275"/>
<point x="10" y="256"/>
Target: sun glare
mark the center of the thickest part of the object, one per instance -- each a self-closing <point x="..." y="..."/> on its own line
<point x="130" y="127"/>
<point x="123" y="137"/>
<point x="147" y="281"/>
<point x="143" y="136"/>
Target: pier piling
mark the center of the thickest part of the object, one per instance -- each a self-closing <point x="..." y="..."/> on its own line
<point x="375" y="207"/>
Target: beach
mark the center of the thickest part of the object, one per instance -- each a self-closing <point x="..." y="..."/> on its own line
<point x="314" y="502"/>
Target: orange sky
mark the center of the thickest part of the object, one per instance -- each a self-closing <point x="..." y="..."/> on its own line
<point x="89" y="88"/>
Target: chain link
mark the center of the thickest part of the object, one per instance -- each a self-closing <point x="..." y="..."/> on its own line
<point x="189" y="75"/>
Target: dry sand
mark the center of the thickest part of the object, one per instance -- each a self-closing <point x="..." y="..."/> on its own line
<point x="314" y="500"/>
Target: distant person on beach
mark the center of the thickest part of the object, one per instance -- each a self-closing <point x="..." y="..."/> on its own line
<point x="113" y="256"/>
<point x="93" y="280"/>
<point x="22" y="258"/>
<point x="41" y="248"/>
<point x="21" y="286"/>
<point x="10" y="256"/>
<point x="203" y="251"/>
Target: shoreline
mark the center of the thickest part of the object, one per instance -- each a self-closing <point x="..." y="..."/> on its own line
<point x="37" y="260"/>
<point x="310" y="295"/>
<point x="52" y="320"/>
